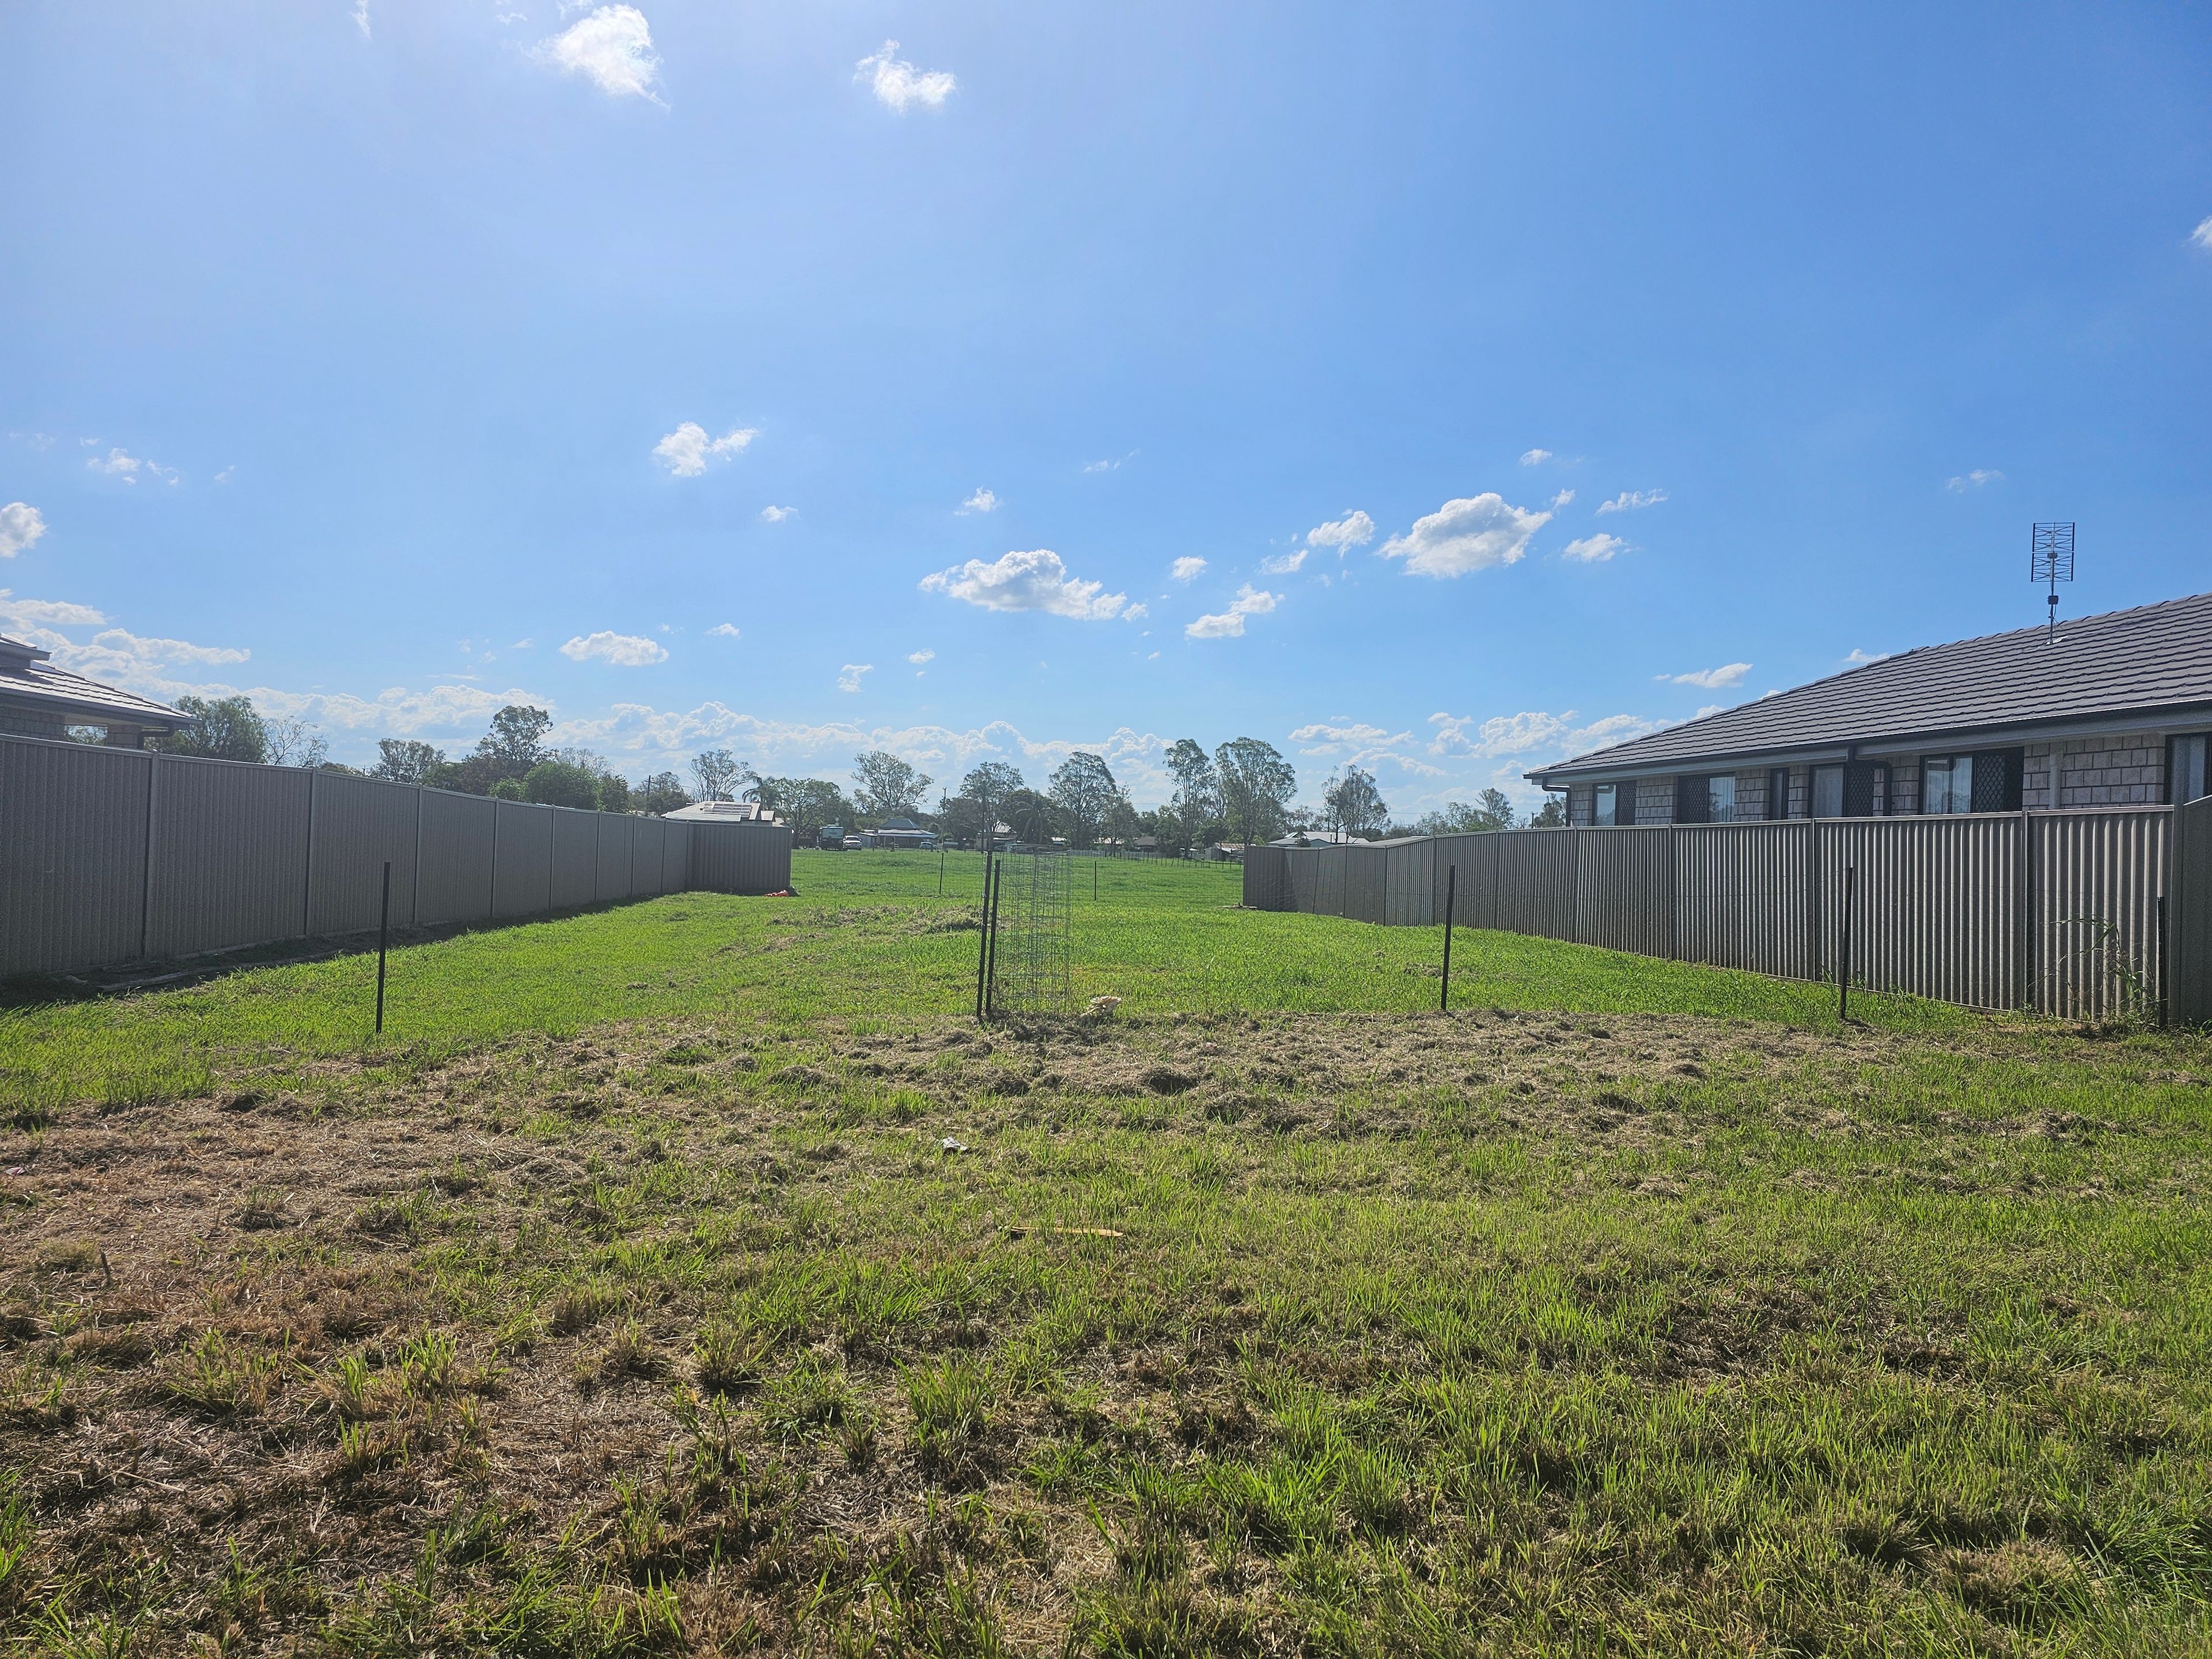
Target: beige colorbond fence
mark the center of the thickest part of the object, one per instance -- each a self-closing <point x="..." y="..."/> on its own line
<point x="2058" y="912"/>
<point x="114" y="855"/>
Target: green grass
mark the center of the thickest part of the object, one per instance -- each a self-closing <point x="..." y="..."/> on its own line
<point x="867" y="936"/>
<point x="626" y="1300"/>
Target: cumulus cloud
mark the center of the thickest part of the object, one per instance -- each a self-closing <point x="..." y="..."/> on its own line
<point x="918" y="658"/>
<point x="774" y="514"/>
<point x="1562" y="498"/>
<point x="1712" y="679"/>
<point x="1136" y="613"/>
<point x="117" y="464"/>
<point x="1532" y="732"/>
<point x="687" y="451"/>
<point x="1282" y="564"/>
<point x="848" y="677"/>
<point x="2202" y="234"/>
<point x="1186" y="568"/>
<point x="1534" y="457"/>
<point x="899" y="85"/>
<point x="1351" y="738"/>
<point x="1593" y="550"/>
<point x="1228" y="624"/>
<point x="982" y="502"/>
<point x="1974" y="480"/>
<point x="47" y="613"/>
<point x="724" y="630"/>
<point x="1629" y="500"/>
<point x="1354" y="529"/>
<point x="1859" y="658"/>
<point x="1035" y="580"/>
<point x="20" y="526"/>
<point x="1472" y="534"/>
<point x="622" y="650"/>
<point x="613" y="49"/>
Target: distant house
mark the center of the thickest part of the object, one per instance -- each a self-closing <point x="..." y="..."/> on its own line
<point x="38" y="700"/>
<point x="900" y="832"/>
<point x="2113" y="710"/>
<point x="724" y="812"/>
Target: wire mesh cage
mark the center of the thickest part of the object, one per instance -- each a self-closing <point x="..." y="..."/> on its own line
<point x="1036" y="916"/>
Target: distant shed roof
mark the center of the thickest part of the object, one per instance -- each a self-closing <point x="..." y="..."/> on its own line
<point x="29" y="679"/>
<point x="2155" y="658"/>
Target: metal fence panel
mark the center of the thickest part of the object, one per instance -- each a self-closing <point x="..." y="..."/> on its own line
<point x="2189" y="915"/>
<point x="454" y="882"/>
<point x="1366" y="870"/>
<point x="1265" y="874"/>
<point x="575" y="857"/>
<point x="230" y="855"/>
<point x="1747" y="896"/>
<point x="1624" y="889"/>
<point x="522" y="858"/>
<point x="676" y="856"/>
<point x="611" y="879"/>
<point x="1410" y="885"/>
<point x="73" y="821"/>
<point x="359" y="824"/>
<point x="2092" y="924"/>
<point x="740" y="858"/>
<point x="1535" y="882"/>
<point x="1938" y="906"/>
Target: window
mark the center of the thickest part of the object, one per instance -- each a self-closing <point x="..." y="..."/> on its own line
<point x="1827" y="791"/>
<point x="1778" y="792"/>
<point x="2185" y="768"/>
<point x="1866" y="790"/>
<point x="1985" y="782"/>
<point x="1605" y="809"/>
<point x="1720" y="800"/>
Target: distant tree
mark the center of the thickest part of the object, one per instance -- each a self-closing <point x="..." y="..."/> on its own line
<point x="226" y="728"/>
<point x="1553" y="816"/>
<point x="613" y="793"/>
<point x="560" y="783"/>
<point x="1030" y="816"/>
<point x="988" y="784"/>
<point x="1356" y="806"/>
<point x="290" y="741"/>
<point x="959" y="819"/>
<point x="1491" y="811"/>
<point x="471" y="774"/>
<point x="1083" y="790"/>
<point x="1496" y="809"/>
<point x="1256" y="785"/>
<point x="508" y="789"/>
<point x="885" y="786"/>
<point x="402" y="759"/>
<point x="514" y="744"/>
<point x="718" y="773"/>
<point x="662" y="792"/>
<point x="1122" y="822"/>
<point x="807" y="804"/>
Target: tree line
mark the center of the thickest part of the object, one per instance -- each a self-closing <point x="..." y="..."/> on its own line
<point x="1239" y="793"/>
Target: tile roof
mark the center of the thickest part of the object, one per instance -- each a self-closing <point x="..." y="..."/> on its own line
<point x="29" y="681"/>
<point x="2154" y="657"/>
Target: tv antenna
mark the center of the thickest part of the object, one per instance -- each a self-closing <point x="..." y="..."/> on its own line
<point x="2050" y="560"/>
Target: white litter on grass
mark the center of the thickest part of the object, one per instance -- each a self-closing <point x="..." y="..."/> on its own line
<point x="949" y="1144"/>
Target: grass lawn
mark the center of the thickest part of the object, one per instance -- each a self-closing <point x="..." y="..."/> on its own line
<point x="696" y="1276"/>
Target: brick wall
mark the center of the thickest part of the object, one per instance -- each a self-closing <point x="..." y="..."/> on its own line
<point x="31" y="723"/>
<point x="2126" y="770"/>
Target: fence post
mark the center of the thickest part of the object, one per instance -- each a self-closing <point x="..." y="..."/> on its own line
<point x="382" y="944"/>
<point x="2027" y="991"/>
<point x="2161" y="952"/>
<point x="1451" y="891"/>
<point x="307" y="882"/>
<point x="415" y="893"/>
<point x="153" y="823"/>
<point x="991" y="941"/>
<point x="983" y="935"/>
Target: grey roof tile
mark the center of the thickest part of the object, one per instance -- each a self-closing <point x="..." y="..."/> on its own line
<point x="28" y="682"/>
<point x="2154" y="657"/>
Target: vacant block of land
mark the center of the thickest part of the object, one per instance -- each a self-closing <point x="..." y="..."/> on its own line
<point x="797" y="1313"/>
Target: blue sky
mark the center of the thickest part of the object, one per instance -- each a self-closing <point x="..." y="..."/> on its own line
<point x="1446" y="388"/>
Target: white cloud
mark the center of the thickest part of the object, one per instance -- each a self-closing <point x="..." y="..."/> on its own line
<point x="1136" y="613"/>
<point x="1859" y="657"/>
<point x="982" y="502"/>
<point x="918" y="658"/>
<point x="1100" y="466"/>
<point x="1562" y="498"/>
<point x="47" y="613"/>
<point x="20" y="526"/>
<point x="1532" y="732"/>
<point x="1186" y="568"/>
<point x="1534" y="457"/>
<point x="226" y="475"/>
<point x="1593" y="550"/>
<point x="1974" y="480"/>
<point x="1712" y="679"/>
<point x="724" y="631"/>
<point x="2202" y="234"/>
<point x="1629" y="500"/>
<point x="612" y="48"/>
<point x="1323" y="738"/>
<point x="1228" y="624"/>
<point x="1472" y="534"/>
<point x="898" y="85"/>
<point x="686" y="451"/>
<point x="622" y="650"/>
<point x="360" y="17"/>
<point x="116" y="463"/>
<point x="774" y="514"/>
<point x="1282" y="564"/>
<point x="1037" y="581"/>
<point x="848" y="677"/>
<point x="1354" y="529"/>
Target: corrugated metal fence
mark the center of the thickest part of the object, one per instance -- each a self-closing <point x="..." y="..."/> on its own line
<point x="111" y="856"/>
<point x="2058" y="912"/>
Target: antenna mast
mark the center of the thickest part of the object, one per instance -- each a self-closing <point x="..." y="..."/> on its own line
<point x="2051" y="562"/>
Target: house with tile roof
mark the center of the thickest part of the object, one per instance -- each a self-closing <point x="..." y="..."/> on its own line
<point x="2112" y="710"/>
<point x="38" y="700"/>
